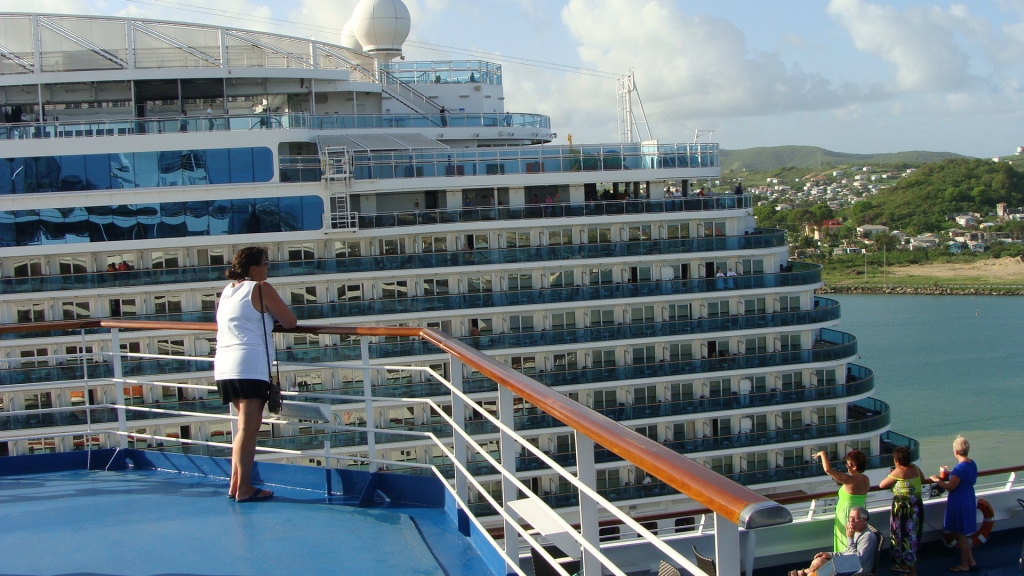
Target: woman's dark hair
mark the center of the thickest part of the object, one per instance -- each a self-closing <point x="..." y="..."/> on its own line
<point x="245" y="258"/>
<point x="858" y="459"/>
<point x="901" y="454"/>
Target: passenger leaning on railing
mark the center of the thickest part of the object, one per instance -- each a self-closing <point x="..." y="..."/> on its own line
<point x="960" y="520"/>
<point x="246" y="313"/>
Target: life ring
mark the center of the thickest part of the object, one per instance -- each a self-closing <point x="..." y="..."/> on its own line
<point x="981" y="536"/>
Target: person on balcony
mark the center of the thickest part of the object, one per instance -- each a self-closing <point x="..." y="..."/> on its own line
<point x="961" y="520"/>
<point x="907" y="517"/>
<point x="246" y="313"/>
<point x="861" y="543"/>
<point x="853" y="492"/>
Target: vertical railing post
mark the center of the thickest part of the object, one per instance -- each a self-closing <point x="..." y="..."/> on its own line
<point x="371" y="436"/>
<point x="727" y="546"/>
<point x="459" y="443"/>
<point x="589" y="528"/>
<point x="509" y="449"/>
<point x="115" y="355"/>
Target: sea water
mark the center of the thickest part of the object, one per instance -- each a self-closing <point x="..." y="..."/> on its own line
<point x="946" y="365"/>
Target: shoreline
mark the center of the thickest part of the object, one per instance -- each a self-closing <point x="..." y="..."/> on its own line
<point x="922" y="290"/>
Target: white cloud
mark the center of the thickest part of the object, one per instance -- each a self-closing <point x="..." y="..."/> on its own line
<point x="922" y="43"/>
<point x="691" y="70"/>
<point x="48" y="6"/>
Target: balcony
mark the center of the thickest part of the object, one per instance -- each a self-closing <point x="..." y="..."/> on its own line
<point x="760" y="239"/>
<point x="802" y="275"/>
<point x="552" y="211"/>
<point x="833" y="346"/>
<point x="249" y="122"/>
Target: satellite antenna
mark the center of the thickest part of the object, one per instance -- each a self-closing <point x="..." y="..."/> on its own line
<point x="629" y="130"/>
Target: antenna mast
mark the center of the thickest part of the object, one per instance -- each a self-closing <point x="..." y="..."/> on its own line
<point x="629" y="130"/>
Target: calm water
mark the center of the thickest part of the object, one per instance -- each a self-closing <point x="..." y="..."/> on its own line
<point x="947" y="365"/>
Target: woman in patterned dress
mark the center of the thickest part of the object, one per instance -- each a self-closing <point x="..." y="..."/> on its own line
<point x="905" y="521"/>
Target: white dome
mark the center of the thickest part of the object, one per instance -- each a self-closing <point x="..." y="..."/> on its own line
<point x="381" y="25"/>
<point x="348" y="38"/>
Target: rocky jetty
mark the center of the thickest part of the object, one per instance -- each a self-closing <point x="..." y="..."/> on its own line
<point x="924" y="290"/>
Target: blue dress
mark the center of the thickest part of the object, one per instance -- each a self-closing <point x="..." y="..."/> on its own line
<point x="960" y="503"/>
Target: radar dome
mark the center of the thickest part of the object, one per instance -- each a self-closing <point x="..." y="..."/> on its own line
<point x="348" y="38"/>
<point x="381" y="25"/>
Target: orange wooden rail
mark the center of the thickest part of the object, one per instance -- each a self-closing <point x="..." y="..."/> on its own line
<point x="736" y="503"/>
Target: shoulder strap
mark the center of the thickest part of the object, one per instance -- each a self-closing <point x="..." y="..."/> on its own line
<point x="266" y="343"/>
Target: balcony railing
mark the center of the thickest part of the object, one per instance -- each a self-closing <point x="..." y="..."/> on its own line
<point x="272" y="121"/>
<point x="554" y="211"/>
<point x="158" y="276"/>
<point x="833" y="346"/>
<point x="802" y="275"/>
<point x="427" y="163"/>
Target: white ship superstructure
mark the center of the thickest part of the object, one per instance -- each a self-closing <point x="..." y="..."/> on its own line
<point x="136" y="156"/>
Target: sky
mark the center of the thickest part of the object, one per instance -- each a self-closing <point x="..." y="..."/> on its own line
<point x="863" y="76"/>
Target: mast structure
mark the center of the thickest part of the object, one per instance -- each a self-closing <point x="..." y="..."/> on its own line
<point x="629" y="130"/>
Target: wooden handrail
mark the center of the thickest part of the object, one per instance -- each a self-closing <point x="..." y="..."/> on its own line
<point x="733" y="501"/>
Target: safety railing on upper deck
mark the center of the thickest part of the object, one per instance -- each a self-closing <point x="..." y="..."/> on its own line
<point x="734" y="506"/>
<point x="266" y="121"/>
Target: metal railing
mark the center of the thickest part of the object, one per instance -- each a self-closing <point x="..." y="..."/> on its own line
<point x="381" y="263"/>
<point x="265" y="121"/>
<point x="734" y="506"/>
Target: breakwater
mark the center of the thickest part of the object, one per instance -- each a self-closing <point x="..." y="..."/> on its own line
<point x="924" y="290"/>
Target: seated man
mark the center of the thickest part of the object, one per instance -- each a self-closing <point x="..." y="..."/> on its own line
<point x="861" y="543"/>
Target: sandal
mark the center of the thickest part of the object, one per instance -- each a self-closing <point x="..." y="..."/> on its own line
<point x="257" y="496"/>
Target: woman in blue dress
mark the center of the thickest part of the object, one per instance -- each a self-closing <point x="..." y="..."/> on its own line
<point x="960" y="519"/>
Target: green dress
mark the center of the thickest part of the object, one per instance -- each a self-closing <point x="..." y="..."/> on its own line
<point x="846" y="501"/>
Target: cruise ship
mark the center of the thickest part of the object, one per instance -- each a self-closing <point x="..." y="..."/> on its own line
<point x="137" y="155"/>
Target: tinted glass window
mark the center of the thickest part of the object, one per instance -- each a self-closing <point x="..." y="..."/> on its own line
<point x="164" y="220"/>
<point x="135" y="170"/>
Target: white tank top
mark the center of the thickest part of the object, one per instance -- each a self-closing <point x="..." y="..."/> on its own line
<point x="241" y="352"/>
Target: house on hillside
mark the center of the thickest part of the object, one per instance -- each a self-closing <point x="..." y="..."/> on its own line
<point x="818" y="230"/>
<point x="924" y="242"/>
<point x="868" y="230"/>
<point x="968" y="220"/>
<point x="977" y="246"/>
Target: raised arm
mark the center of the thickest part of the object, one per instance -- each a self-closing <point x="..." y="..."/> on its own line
<point x="841" y="477"/>
<point x="273" y="303"/>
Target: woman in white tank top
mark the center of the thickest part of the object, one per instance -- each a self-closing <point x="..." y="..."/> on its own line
<point x="246" y="313"/>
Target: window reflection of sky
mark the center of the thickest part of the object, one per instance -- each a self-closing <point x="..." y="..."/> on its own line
<point x="135" y="170"/>
<point x="163" y="220"/>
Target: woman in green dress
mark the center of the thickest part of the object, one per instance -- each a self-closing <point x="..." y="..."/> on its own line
<point x="853" y="492"/>
<point x="906" y="520"/>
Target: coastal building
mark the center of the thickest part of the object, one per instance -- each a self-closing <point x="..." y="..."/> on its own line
<point x="139" y="155"/>
<point x="867" y="231"/>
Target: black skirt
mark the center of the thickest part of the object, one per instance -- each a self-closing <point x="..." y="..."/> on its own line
<point x="243" y="389"/>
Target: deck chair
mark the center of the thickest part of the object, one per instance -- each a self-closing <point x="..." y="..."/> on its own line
<point x="878" y="552"/>
<point x="666" y="569"/>
<point x="704" y="563"/>
<point x="707" y="564"/>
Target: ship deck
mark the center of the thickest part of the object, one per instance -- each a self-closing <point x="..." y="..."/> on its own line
<point x="153" y="521"/>
<point x="67" y="514"/>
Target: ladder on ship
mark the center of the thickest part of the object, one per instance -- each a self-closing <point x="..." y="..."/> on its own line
<point x="336" y="176"/>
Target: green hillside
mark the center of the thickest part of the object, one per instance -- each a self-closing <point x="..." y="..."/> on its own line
<point x="770" y="158"/>
<point x="921" y="202"/>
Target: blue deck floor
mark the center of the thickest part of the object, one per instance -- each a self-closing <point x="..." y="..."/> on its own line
<point x="158" y="522"/>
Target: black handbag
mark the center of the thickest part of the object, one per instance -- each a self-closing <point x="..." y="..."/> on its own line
<point x="274" y="401"/>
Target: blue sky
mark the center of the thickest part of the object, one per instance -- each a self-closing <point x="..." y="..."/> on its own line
<point x="848" y="75"/>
